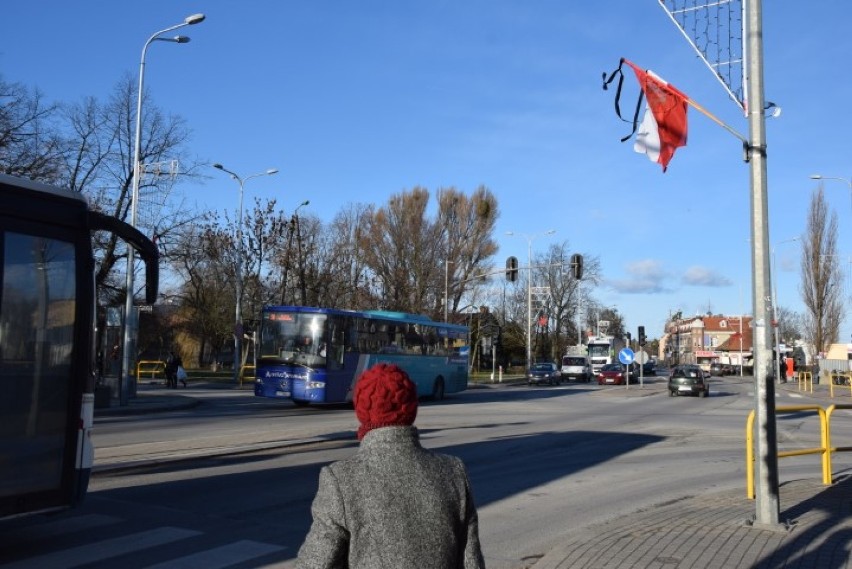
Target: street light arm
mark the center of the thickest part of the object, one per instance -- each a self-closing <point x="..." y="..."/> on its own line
<point x="188" y="21"/>
<point x="848" y="181"/>
<point x="232" y="174"/>
<point x="269" y="172"/>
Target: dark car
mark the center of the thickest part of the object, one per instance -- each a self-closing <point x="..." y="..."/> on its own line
<point x="719" y="369"/>
<point x="688" y="379"/>
<point x="544" y="373"/>
<point x="615" y="374"/>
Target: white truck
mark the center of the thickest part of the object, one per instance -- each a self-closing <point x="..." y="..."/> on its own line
<point x="604" y="350"/>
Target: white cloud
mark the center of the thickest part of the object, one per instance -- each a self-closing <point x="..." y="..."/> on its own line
<point x="646" y="276"/>
<point x="702" y="276"/>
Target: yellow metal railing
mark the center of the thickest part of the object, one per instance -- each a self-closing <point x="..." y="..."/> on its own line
<point x="806" y="381"/>
<point x="836" y="376"/>
<point x="831" y="449"/>
<point x="246" y="368"/>
<point x="823" y="450"/>
<point x="151" y="366"/>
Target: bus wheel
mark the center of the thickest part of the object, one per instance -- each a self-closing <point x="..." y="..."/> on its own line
<point x="438" y="389"/>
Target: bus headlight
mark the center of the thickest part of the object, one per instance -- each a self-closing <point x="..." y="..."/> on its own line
<point x="315" y="385"/>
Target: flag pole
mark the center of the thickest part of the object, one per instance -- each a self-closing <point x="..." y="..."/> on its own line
<point x="715" y="119"/>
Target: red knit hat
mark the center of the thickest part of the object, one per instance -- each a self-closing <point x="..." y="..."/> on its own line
<point x="384" y="397"/>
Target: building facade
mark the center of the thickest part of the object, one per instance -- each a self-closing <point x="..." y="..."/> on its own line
<point x="704" y="340"/>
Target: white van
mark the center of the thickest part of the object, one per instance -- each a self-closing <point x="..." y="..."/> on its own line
<point x="577" y="367"/>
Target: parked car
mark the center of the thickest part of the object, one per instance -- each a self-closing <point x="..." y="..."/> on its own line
<point x="719" y="369"/>
<point x="544" y="373"/>
<point x="688" y="379"/>
<point x="576" y="367"/>
<point x="615" y="374"/>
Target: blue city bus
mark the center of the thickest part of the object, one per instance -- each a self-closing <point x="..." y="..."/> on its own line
<point x="47" y="324"/>
<point x="315" y="355"/>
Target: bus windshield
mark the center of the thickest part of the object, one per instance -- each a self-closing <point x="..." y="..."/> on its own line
<point x="291" y="337"/>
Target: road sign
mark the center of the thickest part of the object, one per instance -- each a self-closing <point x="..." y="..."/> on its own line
<point x="642" y="357"/>
<point x="625" y="356"/>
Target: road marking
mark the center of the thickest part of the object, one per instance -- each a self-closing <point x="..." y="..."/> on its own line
<point x="55" y="528"/>
<point x="225" y="556"/>
<point x="98" y="551"/>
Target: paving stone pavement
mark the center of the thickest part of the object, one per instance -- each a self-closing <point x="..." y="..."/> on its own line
<point x="714" y="531"/>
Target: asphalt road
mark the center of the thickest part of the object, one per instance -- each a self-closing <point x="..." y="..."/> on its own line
<point x="229" y="483"/>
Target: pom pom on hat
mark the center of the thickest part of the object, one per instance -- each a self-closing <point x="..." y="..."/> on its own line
<point x="384" y="397"/>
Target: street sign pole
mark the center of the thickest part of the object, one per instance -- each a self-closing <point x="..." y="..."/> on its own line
<point x="627" y="357"/>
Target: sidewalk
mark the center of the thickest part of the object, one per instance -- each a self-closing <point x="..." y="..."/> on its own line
<point x="715" y="530"/>
<point x="152" y="396"/>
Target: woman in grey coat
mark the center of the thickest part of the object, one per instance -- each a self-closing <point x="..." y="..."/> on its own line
<point x="394" y="505"/>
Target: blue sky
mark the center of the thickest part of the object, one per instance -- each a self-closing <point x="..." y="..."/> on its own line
<point x="356" y="101"/>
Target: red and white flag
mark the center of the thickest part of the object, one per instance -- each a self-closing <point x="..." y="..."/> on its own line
<point x="663" y="127"/>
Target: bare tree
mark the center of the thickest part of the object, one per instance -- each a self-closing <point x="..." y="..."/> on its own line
<point x="821" y="286"/>
<point x="264" y="234"/>
<point x="30" y="145"/>
<point x="467" y="246"/>
<point x="204" y="294"/>
<point x="789" y="325"/>
<point x="98" y="161"/>
<point x="401" y="246"/>
<point x="348" y="281"/>
<point x="553" y="271"/>
<point x="412" y="255"/>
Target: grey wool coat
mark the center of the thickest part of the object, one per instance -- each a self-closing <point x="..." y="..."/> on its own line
<point x="394" y="505"/>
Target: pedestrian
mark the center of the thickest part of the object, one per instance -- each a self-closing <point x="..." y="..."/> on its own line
<point x="783" y="370"/>
<point x="394" y="504"/>
<point x="173" y="364"/>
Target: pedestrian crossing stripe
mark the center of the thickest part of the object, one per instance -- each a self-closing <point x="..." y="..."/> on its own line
<point x="101" y="550"/>
<point x="218" y="557"/>
<point x="224" y="556"/>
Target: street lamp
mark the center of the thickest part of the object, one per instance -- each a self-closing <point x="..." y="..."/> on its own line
<point x="848" y="181"/>
<point x="775" y="309"/>
<point x="238" y="238"/>
<point x="129" y="314"/>
<point x="529" y="239"/>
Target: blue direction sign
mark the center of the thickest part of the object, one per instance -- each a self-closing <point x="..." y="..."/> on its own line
<point x="626" y="356"/>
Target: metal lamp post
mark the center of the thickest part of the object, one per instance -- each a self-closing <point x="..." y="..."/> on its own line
<point x="775" y="309"/>
<point x="299" y="246"/>
<point x="529" y="239"/>
<point x="129" y="314"/>
<point x="238" y="274"/>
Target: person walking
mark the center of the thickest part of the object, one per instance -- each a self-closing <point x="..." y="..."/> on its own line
<point x="173" y="364"/>
<point x="393" y="504"/>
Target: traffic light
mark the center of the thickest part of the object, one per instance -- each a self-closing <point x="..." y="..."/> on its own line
<point x="641" y="335"/>
<point x="512" y="269"/>
<point x="577" y="266"/>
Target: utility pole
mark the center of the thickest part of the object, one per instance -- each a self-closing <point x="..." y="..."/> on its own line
<point x="767" y="509"/>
